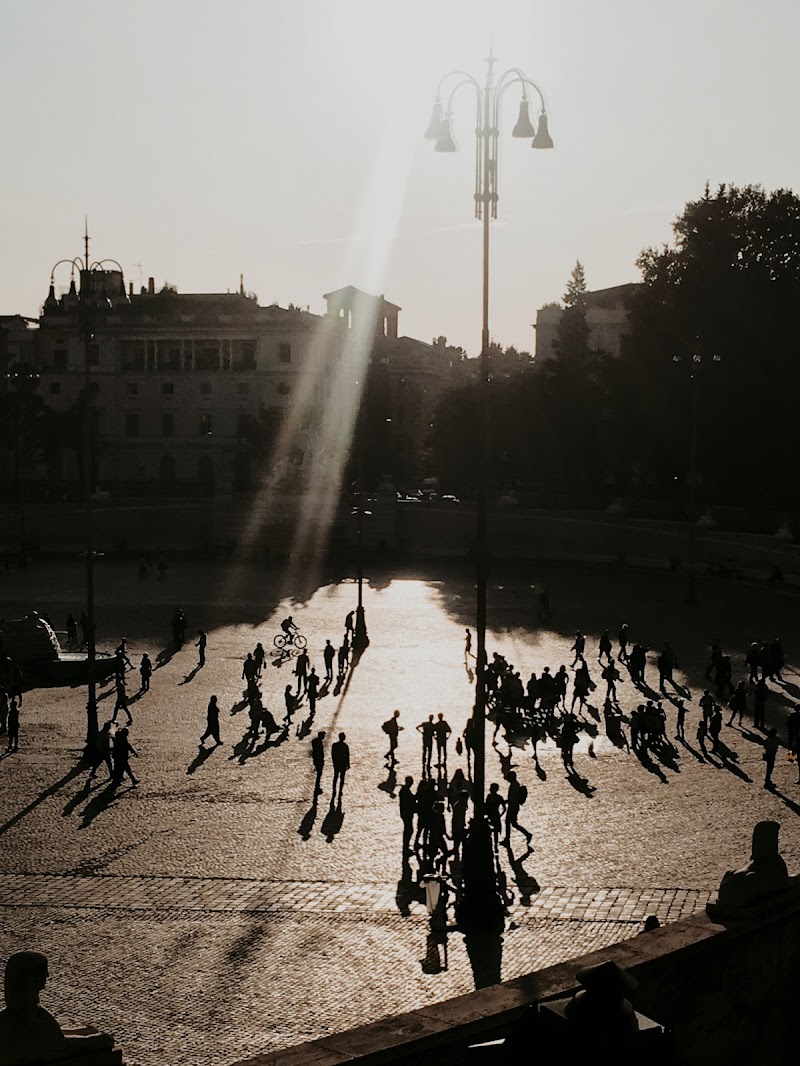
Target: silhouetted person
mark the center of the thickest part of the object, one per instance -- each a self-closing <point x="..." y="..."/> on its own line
<point x="121" y="703"/>
<point x="289" y="702"/>
<point x="249" y="668"/>
<point x="517" y="795"/>
<point x="340" y="759"/>
<point x="301" y="672"/>
<point x="437" y="837"/>
<point x="469" y="742"/>
<point x="258" y="658"/>
<point x="348" y="624"/>
<point x="724" y="676"/>
<point x="715" y="728"/>
<point x="702" y="733"/>
<point x="611" y="675"/>
<point x="441" y="731"/>
<point x="707" y="705"/>
<point x="427" y="729"/>
<point x="458" y="825"/>
<point x="426" y="797"/>
<point x="753" y="660"/>
<point x="318" y="759"/>
<point x="328" y="654"/>
<point x="467" y="643"/>
<point x="391" y="728"/>
<point x="312" y="687"/>
<point x="738" y="702"/>
<point x="123" y="750"/>
<point x="121" y="652"/>
<point x="13" y="725"/>
<point x="73" y="640"/>
<point x="201" y="647"/>
<point x="101" y="752"/>
<point x="667" y="662"/>
<point x="145" y="672"/>
<point x="212" y="722"/>
<point x="578" y="647"/>
<point x="716" y="655"/>
<point x="680" y="733"/>
<point x="408" y="808"/>
<point x="622" y="638"/>
<point x="342" y="657"/>
<point x="760" y="704"/>
<point x="494" y="806"/>
<point x="771" y="745"/>
<point x="604" y="646"/>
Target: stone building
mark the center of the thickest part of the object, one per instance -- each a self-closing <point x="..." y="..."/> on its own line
<point x="606" y="317"/>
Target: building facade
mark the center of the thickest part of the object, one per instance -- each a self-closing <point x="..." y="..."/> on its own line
<point x="606" y="317"/>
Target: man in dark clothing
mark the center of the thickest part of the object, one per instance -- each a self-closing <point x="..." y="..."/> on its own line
<point x="604" y="647"/>
<point x="753" y="660"/>
<point x="724" y="676"/>
<point x="667" y="662"/>
<point x="301" y="671"/>
<point x="328" y="654"/>
<point x="340" y="758"/>
<point x="408" y="807"/>
<point x="622" y="637"/>
<point x="578" y="647"/>
<point x="391" y="728"/>
<point x="312" y="686"/>
<point x="348" y="622"/>
<point x="101" y="752"/>
<point x="249" y="668"/>
<point x="441" y="730"/>
<point x="212" y="722"/>
<point x="427" y="729"/>
<point x="13" y="725"/>
<point x="738" y="702"/>
<point x="146" y="672"/>
<point x="123" y="749"/>
<point x="517" y="795"/>
<point x="121" y="703"/>
<point x="771" y="745"/>
<point x="201" y="647"/>
<point x="318" y="759"/>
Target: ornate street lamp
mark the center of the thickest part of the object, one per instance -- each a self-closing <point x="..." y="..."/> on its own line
<point x="92" y="304"/>
<point x="480" y="914"/>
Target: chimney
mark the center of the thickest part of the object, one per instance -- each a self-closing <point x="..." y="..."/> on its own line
<point x="151" y="286"/>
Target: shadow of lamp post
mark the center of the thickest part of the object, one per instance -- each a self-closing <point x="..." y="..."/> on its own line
<point x="480" y="909"/>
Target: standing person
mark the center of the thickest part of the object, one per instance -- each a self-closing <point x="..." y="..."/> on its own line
<point x="290" y="704"/>
<point x="258" y="658"/>
<point x="408" y="808"/>
<point x="328" y="654"/>
<point x="391" y="728"/>
<point x="340" y="758"/>
<point x="517" y="796"/>
<point x="441" y="730"/>
<point x="578" y="647"/>
<point x="212" y="723"/>
<point x="753" y="660"/>
<point x="102" y="752"/>
<point x="706" y="702"/>
<point x="312" y="687"/>
<point x="145" y="672"/>
<point x="771" y="745"/>
<point x="301" y="671"/>
<point x="459" y="807"/>
<point x="343" y="655"/>
<point x="702" y="733"/>
<point x="724" y="676"/>
<point x="667" y="662"/>
<point x="427" y="729"/>
<point x="467" y="643"/>
<point x="13" y="725"/>
<point x="611" y="675"/>
<point x="679" y="732"/>
<point x="760" y="704"/>
<point x="318" y="760"/>
<point x="622" y="638"/>
<point x="494" y="806"/>
<point x="123" y="750"/>
<point x="201" y="647"/>
<point x="249" y="669"/>
<point x="604" y="646"/>
<point x="469" y="742"/>
<point x="738" y="702"/>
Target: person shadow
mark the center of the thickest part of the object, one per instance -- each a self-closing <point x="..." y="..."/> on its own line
<point x="305" y="727"/>
<point x="332" y="823"/>
<point x="793" y="806"/>
<point x="82" y="794"/>
<point x="390" y="783"/>
<point x="192" y="674"/>
<point x="101" y="802"/>
<point x="730" y="762"/>
<point x="650" y="764"/>
<point x="688" y="747"/>
<point x="203" y="753"/>
<point x="239" y="706"/>
<point x="307" y="823"/>
<point x="526" y="883"/>
<point x="579" y="783"/>
<point x="541" y="773"/>
<point x="165" y="655"/>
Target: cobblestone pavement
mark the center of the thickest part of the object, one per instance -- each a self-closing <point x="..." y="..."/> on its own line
<point x="215" y="911"/>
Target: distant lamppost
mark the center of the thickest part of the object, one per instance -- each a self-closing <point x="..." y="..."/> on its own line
<point x="693" y="478"/>
<point x="479" y="906"/>
<point x="92" y="304"/>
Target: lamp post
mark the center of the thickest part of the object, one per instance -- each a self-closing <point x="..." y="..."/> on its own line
<point x="481" y="910"/>
<point x="91" y="304"/>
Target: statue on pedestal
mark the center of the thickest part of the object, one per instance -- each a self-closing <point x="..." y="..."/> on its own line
<point x="29" y="1033"/>
<point x="763" y="876"/>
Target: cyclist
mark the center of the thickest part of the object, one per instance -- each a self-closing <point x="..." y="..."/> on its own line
<point x="289" y="628"/>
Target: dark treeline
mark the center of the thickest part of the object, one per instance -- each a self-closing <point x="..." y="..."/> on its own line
<point x="698" y="409"/>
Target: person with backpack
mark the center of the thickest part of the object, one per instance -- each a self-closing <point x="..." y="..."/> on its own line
<point x="517" y="797"/>
<point x="391" y="728"/>
<point x="611" y="675"/>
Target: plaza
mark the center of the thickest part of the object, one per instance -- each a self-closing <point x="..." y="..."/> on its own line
<point x="215" y="911"/>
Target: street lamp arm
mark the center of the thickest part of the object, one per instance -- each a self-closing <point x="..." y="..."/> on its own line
<point x="72" y="262"/>
<point x="455" y="74"/>
<point x="98" y="265"/>
<point x="478" y="92"/>
<point x="520" y="79"/>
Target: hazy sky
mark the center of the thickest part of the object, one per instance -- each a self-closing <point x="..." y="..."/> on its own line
<point x="282" y="139"/>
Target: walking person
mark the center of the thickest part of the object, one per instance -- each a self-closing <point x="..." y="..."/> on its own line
<point x="760" y="704"/>
<point x="517" y="796"/>
<point x="145" y="672"/>
<point x="101" y="752"/>
<point x="123" y="750"/>
<point x="212" y="723"/>
<point x="391" y="728"/>
<point x="249" y="669"/>
<point x="738" y="702"/>
<point x="340" y="759"/>
<point x="716" y="655"/>
<point x="604" y="646"/>
<point x="318" y="761"/>
<point x="13" y="725"/>
<point x="494" y="807"/>
<point x="328" y="654"/>
<point x="121" y="703"/>
<point x="715" y="728"/>
<point x="201" y="648"/>
<point x="467" y="643"/>
<point x="771" y="746"/>
<point x="290" y="703"/>
<point x="622" y="638"/>
<point x="469" y="743"/>
<point x="259" y="655"/>
<point x="681" y="724"/>
<point x="702" y="733"/>
<point x="441" y="731"/>
<point x="348" y="625"/>
<point x="408" y="808"/>
<point x="312" y="687"/>
<point x="121" y="652"/>
<point x="427" y="729"/>
<point x="611" y="675"/>
<point x="578" y="647"/>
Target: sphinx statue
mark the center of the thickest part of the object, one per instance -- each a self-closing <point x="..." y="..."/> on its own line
<point x="30" y="1034"/>
<point x="763" y="876"/>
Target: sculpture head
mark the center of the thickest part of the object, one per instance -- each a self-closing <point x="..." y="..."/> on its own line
<point x="25" y="977"/>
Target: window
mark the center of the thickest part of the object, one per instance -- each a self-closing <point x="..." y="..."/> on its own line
<point x="284" y="389"/>
<point x="55" y="388"/>
<point x="206" y="359"/>
<point x="131" y="388"/>
<point x="244" y="355"/>
<point x="205" y="388"/>
<point x="284" y="353"/>
<point x="131" y="424"/>
<point x="60" y="358"/>
<point x="167" y="388"/>
<point x="168" y="425"/>
<point x="243" y="388"/>
<point x="173" y="359"/>
<point x="205" y="424"/>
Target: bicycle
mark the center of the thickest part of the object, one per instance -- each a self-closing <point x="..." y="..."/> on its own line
<point x="294" y="640"/>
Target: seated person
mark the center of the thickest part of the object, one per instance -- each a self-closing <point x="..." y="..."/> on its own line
<point x="288" y="627"/>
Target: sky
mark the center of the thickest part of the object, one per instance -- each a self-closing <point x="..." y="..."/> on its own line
<point x="283" y="140"/>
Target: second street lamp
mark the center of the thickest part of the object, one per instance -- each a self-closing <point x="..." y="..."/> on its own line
<point x="481" y="911"/>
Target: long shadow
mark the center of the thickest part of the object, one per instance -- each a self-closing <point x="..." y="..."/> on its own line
<point x="786" y="800"/>
<point x="82" y="794"/>
<point x="305" y="726"/>
<point x="408" y="891"/>
<point x="101" y="802"/>
<point x="307" y="824"/>
<point x="165" y="655"/>
<point x="580" y="784"/>
<point x="192" y="674"/>
<point x="203" y="753"/>
<point x="390" y="783"/>
<point x="691" y="750"/>
<point x="78" y="768"/>
<point x="332" y="823"/>
<point x="526" y="883"/>
<point x="667" y="754"/>
<point x="239" y="706"/>
<point x="137" y="696"/>
<point x="652" y="767"/>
